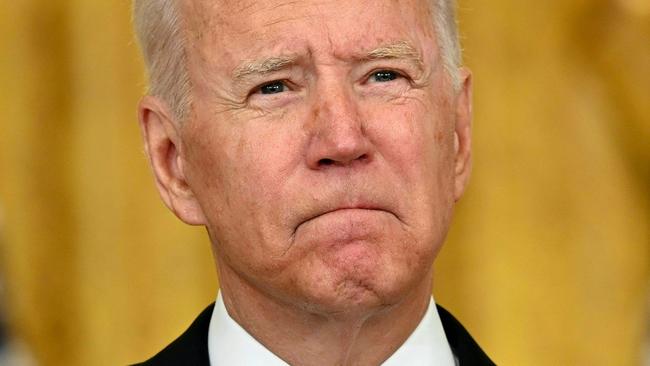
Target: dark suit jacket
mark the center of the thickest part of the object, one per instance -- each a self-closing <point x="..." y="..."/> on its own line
<point x="191" y="348"/>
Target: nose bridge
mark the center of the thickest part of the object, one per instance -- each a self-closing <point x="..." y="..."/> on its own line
<point x="338" y="135"/>
<point x="335" y="110"/>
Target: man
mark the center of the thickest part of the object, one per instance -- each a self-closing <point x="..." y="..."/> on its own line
<point x="323" y="144"/>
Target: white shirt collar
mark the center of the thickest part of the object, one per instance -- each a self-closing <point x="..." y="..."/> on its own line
<point x="230" y="344"/>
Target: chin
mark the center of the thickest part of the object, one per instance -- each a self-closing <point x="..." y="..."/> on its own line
<point x="360" y="288"/>
<point x="348" y="298"/>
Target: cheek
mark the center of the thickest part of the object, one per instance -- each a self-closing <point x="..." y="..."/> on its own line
<point x="415" y="139"/>
<point x="205" y="158"/>
<point x="239" y="174"/>
<point x="244" y="163"/>
<point x="412" y="136"/>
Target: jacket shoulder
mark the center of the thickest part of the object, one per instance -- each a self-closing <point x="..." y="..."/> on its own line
<point x="191" y="348"/>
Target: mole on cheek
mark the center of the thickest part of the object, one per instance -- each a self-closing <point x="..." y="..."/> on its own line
<point x="315" y="113"/>
<point x="438" y="137"/>
<point x="312" y="118"/>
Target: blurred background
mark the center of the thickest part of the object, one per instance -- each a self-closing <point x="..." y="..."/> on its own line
<point x="548" y="261"/>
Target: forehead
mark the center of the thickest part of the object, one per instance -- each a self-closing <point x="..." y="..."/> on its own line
<point x="229" y="31"/>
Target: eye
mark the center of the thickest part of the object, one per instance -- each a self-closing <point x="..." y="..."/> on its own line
<point x="383" y="76"/>
<point x="273" y="87"/>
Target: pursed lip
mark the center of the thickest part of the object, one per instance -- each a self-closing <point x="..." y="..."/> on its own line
<point x="343" y="208"/>
<point x="369" y="207"/>
<point x="324" y="211"/>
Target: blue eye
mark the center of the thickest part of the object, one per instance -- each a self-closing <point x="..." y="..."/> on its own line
<point x="384" y="76"/>
<point x="273" y="87"/>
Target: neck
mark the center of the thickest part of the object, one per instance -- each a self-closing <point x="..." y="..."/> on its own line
<point x="307" y="337"/>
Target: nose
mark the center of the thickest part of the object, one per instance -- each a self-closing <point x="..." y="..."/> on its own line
<point x="337" y="134"/>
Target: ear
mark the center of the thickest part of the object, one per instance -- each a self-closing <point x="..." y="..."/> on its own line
<point x="463" y="133"/>
<point x="161" y="135"/>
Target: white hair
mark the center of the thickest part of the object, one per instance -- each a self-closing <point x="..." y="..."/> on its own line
<point x="159" y="29"/>
<point x="448" y="39"/>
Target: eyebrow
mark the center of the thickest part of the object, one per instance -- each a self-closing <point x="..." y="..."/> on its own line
<point x="263" y="66"/>
<point x="397" y="50"/>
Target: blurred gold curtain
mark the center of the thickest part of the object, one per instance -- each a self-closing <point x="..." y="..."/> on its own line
<point x="547" y="263"/>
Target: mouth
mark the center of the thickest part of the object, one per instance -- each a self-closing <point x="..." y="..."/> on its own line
<point x="345" y="208"/>
<point x="316" y="214"/>
<point x="341" y="209"/>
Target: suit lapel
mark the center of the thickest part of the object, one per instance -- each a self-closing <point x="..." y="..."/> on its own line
<point x="464" y="347"/>
<point x="191" y="348"/>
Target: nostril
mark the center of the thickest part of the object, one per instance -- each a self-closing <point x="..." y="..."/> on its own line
<point x="329" y="161"/>
<point x="322" y="162"/>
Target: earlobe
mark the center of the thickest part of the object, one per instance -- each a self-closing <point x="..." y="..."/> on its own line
<point x="463" y="134"/>
<point x="161" y="137"/>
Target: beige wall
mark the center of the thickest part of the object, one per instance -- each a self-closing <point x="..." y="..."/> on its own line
<point x="549" y="258"/>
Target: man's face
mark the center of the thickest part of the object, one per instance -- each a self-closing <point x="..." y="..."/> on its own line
<point x="321" y="148"/>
